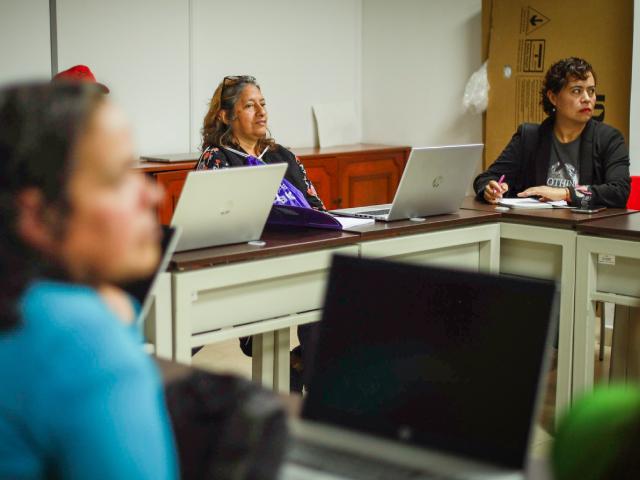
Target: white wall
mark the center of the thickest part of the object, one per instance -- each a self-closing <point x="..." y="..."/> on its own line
<point x="163" y="63"/>
<point x="140" y="50"/>
<point x="417" y="58"/>
<point x="403" y="63"/>
<point x="25" y="47"/>
<point x="302" y="52"/>
<point x="634" y="121"/>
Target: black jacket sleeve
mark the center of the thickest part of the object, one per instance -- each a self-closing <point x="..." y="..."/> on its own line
<point x="509" y="164"/>
<point x="611" y="183"/>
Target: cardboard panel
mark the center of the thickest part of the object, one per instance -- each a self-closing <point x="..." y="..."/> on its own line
<point x="527" y="36"/>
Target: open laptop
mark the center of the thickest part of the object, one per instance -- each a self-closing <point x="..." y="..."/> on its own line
<point x="171" y="157"/>
<point x="423" y="372"/>
<point x="224" y="206"/>
<point x="434" y="182"/>
<point x="142" y="289"/>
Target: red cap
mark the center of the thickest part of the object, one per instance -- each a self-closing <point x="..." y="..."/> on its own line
<point x="80" y="73"/>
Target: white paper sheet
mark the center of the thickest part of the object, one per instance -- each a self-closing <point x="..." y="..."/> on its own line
<point x="523" y="203"/>
<point x="531" y="203"/>
<point x="337" y="124"/>
<point x="350" y="222"/>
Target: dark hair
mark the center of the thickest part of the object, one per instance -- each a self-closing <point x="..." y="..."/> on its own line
<point x="39" y="126"/>
<point x="559" y="74"/>
<point x="215" y="132"/>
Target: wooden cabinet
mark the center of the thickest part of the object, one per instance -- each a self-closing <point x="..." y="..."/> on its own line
<point x="355" y="175"/>
<point x="370" y="180"/>
<point x="323" y="173"/>
<point x="172" y="182"/>
<point x="344" y="176"/>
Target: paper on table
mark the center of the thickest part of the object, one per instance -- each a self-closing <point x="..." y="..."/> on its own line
<point x="531" y="203"/>
<point x="337" y="124"/>
<point x="560" y="204"/>
<point x="523" y="203"/>
<point x="350" y="222"/>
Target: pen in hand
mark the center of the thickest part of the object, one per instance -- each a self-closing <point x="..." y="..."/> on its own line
<point x="498" y="192"/>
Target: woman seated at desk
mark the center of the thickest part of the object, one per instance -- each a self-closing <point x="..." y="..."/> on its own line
<point x="570" y="155"/>
<point x="235" y="128"/>
<point x="79" y="397"/>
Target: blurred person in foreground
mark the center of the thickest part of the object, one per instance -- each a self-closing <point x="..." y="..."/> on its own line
<point x="79" y="397"/>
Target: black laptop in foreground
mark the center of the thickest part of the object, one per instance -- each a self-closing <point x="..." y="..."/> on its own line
<point x="423" y="372"/>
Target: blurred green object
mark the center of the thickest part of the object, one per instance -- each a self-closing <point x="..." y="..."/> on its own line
<point x="599" y="437"/>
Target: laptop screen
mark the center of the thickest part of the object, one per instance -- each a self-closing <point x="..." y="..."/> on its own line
<point x="141" y="289"/>
<point x="436" y="358"/>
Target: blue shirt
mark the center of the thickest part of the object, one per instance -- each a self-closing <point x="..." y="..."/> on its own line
<point x="78" y="396"/>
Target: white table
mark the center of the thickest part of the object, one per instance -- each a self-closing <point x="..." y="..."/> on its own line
<point x="546" y="253"/>
<point x="607" y="270"/>
<point x="234" y="291"/>
<point x="264" y="297"/>
<point x="542" y="244"/>
<point x="158" y="325"/>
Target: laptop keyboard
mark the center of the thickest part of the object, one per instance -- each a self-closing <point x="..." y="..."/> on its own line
<point x="376" y="212"/>
<point x="313" y="462"/>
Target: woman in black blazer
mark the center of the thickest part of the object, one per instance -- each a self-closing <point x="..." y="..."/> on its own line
<point x="569" y="156"/>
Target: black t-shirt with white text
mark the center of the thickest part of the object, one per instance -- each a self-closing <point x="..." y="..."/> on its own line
<point x="564" y="162"/>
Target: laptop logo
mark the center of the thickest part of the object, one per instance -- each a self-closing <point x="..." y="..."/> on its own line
<point x="226" y="209"/>
<point x="437" y="181"/>
<point x="405" y="433"/>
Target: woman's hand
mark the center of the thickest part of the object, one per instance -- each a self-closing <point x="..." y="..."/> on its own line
<point x="546" y="194"/>
<point x="494" y="191"/>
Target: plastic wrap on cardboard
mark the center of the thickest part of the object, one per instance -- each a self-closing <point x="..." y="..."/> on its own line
<point x="476" y="93"/>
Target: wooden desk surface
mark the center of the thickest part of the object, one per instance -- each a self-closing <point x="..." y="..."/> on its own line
<point x="279" y="241"/>
<point x="286" y="241"/>
<point x="626" y="227"/>
<point x="438" y="222"/>
<point x="556" y="218"/>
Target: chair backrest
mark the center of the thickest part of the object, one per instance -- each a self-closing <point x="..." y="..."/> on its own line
<point x="634" y="196"/>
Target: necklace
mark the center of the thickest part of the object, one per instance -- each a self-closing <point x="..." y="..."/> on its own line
<point x="246" y="155"/>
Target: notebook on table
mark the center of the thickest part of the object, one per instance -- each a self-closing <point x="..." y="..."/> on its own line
<point x="225" y="206"/>
<point x="434" y="182"/>
<point x="423" y="372"/>
<point x="532" y="203"/>
<point x="171" y="157"/>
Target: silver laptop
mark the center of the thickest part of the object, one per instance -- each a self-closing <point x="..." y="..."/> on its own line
<point x="428" y="380"/>
<point x="171" y="157"/>
<point x="434" y="182"/>
<point x="230" y="205"/>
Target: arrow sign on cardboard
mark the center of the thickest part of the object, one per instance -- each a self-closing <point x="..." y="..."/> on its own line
<point x="536" y="20"/>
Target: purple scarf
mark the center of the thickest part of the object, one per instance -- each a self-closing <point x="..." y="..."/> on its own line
<point x="287" y="194"/>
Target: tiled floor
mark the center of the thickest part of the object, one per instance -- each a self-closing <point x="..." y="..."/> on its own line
<point x="227" y="357"/>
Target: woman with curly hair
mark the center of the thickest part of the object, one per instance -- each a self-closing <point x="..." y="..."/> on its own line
<point x="570" y="155"/>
